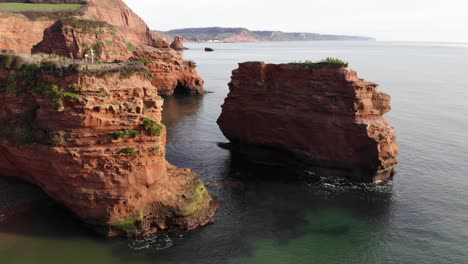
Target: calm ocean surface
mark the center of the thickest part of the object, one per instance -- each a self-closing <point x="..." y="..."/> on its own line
<point x="421" y="218"/>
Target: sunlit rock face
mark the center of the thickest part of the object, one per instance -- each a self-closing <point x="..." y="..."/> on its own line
<point x="322" y="118"/>
<point x="171" y="73"/>
<point x="93" y="140"/>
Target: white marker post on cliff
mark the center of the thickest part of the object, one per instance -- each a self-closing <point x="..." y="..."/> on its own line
<point x="86" y="61"/>
<point x="92" y="56"/>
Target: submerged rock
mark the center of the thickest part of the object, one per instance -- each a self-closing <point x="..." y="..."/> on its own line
<point x="318" y="116"/>
<point x="93" y="140"/>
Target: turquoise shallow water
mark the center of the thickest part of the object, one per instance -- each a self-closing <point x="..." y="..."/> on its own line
<point x="421" y="218"/>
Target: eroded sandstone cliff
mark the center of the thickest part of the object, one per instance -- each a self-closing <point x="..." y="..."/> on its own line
<point x="75" y="38"/>
<point x="317" y="115"/>
<point x="113" y="32"/>
<point x="171" y="74"/>
<point x="118" y="14"/>
<point x="92" y="139"/>
<point x="18" y="33"/>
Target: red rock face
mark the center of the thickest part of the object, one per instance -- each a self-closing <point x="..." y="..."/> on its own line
<point x="178" y="44"/>
<point x="19" y="33"/>
<point x="113" y="32"/>
<point x="118" y="14"/>
<point x="171" y="74"/>
<point x="94" y="142"/>
<point x="242" y="37"/>
<point x="327" y="118"/>
<point x="74" y="38"/>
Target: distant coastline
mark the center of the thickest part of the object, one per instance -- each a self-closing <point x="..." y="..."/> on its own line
<point x="227" y="35"/>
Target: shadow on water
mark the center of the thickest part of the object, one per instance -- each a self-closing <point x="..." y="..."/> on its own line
<point x="28" y="211"/>
<point x="180" y="106"/>
<point x="278" y="213"/>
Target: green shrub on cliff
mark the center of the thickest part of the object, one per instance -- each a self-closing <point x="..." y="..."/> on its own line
<point x="7" y="60"/>
<point x="87" y="26"/>
<point x="125" y="133"/>
<point x="57" y="138"/>
<point x="55" y="92"/>
<point x="129" y="151"/>
<point x="23" y="80"/>
<point x="154" y="150"/>
<point x="328" y="62"/>
<point x="126" y="70"/>
<point x="153" y="128"/>
<point x="129" y="45"/>
<point x="141" y="60"/>
<point x="19" y="130"/>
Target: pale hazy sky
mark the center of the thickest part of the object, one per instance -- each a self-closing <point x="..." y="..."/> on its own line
<point x="411" y="20"/>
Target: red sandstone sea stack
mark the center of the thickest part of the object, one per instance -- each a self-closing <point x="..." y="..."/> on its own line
<point x="178" y="44"/>
<point x="320" y="116"/>
<point x="93" y="140"/>
<point x="90" y="134"/>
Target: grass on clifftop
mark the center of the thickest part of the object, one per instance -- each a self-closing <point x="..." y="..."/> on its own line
<point x="23" y="7"/>
<point x="328" y="62"/>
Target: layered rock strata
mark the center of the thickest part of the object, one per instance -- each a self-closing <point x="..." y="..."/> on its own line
<point x="93" y="140"/>
<point x="18" y="33"/>
<point x="112" y="32"/>
<point x="171" y="74"/>
<point x="118" y="14"/>
<point x="318" y="116"/>
<point x="76" y="38"/>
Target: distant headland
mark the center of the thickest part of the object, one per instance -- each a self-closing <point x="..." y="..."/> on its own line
<point x="219" y="34"/>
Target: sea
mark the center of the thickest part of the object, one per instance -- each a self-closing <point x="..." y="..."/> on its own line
<point x="268" y="217"/>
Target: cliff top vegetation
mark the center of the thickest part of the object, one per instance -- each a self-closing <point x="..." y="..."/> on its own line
<point x="27" y="7"/>
<point x="62" y="66"/>
<point x="328" y="62"/>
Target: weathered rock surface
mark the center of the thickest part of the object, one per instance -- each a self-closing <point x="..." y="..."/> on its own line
<point x="161" y="40"/>
<point x="118" y="14"/>
<point x="178" y="44"/>
<point x="325" y="118"/>
<point x="113" y="32"/>
<point x="18" y="33"/>
<point x="171" y="74"/>
<point x="93" y="140"/>
<point x="75" y="38"/>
